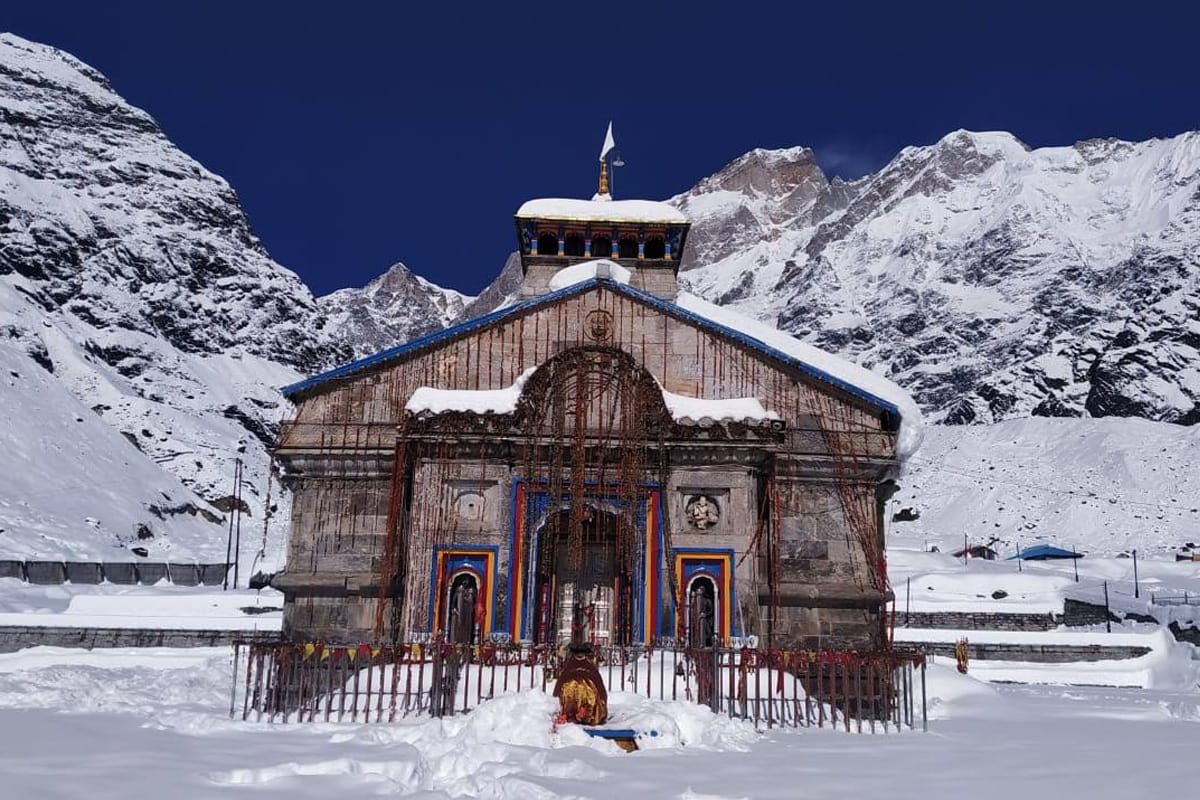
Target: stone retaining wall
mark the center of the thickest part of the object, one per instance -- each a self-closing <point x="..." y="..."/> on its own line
<point x="18" y="637"/>
<point x="978" y="621"/>
<point x="1036" y="653"/>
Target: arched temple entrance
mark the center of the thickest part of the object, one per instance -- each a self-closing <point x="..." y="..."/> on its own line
<point x="461" y="608"/>
<point x="702" y="612"/>
<point x="583" y="590"/>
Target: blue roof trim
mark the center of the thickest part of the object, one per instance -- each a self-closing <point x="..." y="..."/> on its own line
<point x="436" y="337"/>
<point x="761" y="347"/>
<point x="579" y="288"/>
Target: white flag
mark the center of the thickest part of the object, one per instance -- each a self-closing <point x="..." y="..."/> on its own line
<point x="609" y="144"/>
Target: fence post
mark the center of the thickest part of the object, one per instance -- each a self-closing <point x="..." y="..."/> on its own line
<point x="1107" y="613"/>
<point x="924" y="706"/>
<point x="907" y="600"/>
<point x="233" y="687"/>
<point x="714" y="694"/>
<point x="435" y="682"/>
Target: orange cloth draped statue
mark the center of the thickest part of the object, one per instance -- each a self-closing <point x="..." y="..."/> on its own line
<point x="580" y="689"/>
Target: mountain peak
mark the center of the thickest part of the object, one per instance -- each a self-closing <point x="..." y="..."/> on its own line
<point x="992" y="280"/>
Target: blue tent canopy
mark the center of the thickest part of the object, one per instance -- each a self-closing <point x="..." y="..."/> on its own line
<point x="1043" y="552"/>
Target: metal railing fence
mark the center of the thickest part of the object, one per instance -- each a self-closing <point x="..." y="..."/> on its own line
<point x="872" y="692"/>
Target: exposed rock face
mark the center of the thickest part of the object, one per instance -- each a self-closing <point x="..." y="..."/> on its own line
<point x="500" y="291"/>
<point x="392" y="309"/>
<point x="991" y="280"/>
<point x="144" y="329"/>
<point x="110" y="223"/>
<point x="132" y="285"/>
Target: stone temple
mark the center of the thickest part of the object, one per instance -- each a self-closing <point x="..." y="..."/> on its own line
<point x="605" y="459"/>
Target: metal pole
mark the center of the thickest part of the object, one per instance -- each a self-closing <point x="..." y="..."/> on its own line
<point x="1137" y="591"/>
<point x="1019" y="559"/>
<point x="233" y="688"/>
<point x="924" y="703"/>
<point x="907" y="598"/>
<point x="1107" y="613"/>
<point x="229" y="536"/>
<point x="965" y="549"/>
<point x="1075" y="560"/>
<point x="237" y="545"/>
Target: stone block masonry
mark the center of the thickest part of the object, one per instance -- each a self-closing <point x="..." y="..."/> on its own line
<point x="979" y="621"/>
<point x="1036" y="653"/>
<point x="18" y="637"/>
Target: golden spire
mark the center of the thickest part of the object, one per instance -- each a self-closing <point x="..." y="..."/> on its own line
<point x="609" y="144"/>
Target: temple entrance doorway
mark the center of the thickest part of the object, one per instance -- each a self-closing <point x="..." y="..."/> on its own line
<point x="701" y="616"/>
<point x="462" y="601"/>
<point x="583" y="591"/>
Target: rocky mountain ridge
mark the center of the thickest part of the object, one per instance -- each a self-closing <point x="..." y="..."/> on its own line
<point x="393" y="308"/>
<point x="144" y="329"/>
<point x="992" y="280"/>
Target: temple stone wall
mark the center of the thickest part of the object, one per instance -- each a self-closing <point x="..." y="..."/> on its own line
<point x="362" y="412"/>
<point x="339" y="449"/>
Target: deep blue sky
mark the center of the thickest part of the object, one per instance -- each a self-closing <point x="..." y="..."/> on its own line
<point x="359" y="134"/>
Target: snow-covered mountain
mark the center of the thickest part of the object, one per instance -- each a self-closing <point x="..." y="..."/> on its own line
<point x="390" y="310"/>
<point x="143" y="327"/>
<point x="991" y="280"/>
<point x="1104" y="485"/>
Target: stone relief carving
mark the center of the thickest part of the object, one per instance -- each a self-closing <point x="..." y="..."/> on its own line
<point x="599" y="325"/>
<point x="702" y="511"/>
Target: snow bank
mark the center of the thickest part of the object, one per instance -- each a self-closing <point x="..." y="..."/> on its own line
<point x="1168" y="666"/>
<point x="157" y="607"/>
<point x="911" y="430"/>
<point x="578" y="273"/>
<point x="972" y="589"/>
<point x="949" y="693"/>
<point x="151" y="723"/>
<point x="602" y="210"/>
<point x="481" y="754"/>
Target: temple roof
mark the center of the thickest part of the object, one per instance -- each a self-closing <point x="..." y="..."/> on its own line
<point x="602" y="211"/>
<point x="777" y="345"/>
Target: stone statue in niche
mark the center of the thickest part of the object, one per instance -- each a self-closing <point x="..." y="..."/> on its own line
<point x="702" y="512"/>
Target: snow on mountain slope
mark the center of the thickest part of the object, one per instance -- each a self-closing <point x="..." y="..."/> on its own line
<point x="991" y="280"/>
<point x="73" y="486"/>
<point x="390" y="310"/>
<point x="131" y="281"/>
<point x="1103" y="485"/>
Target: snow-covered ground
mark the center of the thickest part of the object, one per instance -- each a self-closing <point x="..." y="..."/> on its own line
<point x="152" y="723"/>
<point x="159" y="607"/>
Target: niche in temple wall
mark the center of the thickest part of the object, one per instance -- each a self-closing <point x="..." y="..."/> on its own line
<point x="702" y="509"/>
<point x="475" y="499"/>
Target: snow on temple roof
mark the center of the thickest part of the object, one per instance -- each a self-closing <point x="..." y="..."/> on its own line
<point x="857" y="381"/>
<point x="602" y="210"/>
<point x="699" y="409"/>
<point x="578" y="273"/>
<point x="688" y="410"/>
<point x="842" y="371"/>
<point x="426" y="399"/>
